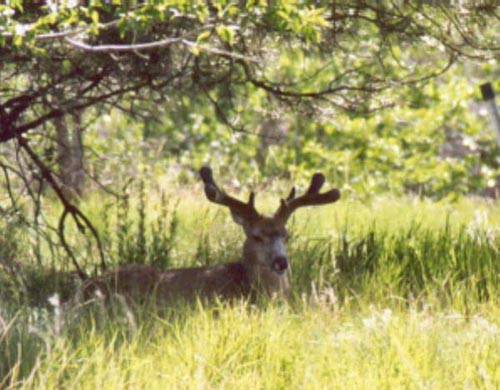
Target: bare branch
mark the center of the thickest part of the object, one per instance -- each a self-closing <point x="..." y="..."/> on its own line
<point x="122" y="48"/>
<point x="80" y="219"/>
<point x="155" y="45"/>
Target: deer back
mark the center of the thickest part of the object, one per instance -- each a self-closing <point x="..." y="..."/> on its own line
<point x="139" y="282"/>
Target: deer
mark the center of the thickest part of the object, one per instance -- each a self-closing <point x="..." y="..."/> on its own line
<point x="263" y="270"/>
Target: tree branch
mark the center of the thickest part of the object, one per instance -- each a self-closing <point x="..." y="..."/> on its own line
<point x="80" y="219"/>
<point x="155" y="45"/>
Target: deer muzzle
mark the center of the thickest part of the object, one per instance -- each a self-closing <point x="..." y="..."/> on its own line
<point x="280" y="264"/>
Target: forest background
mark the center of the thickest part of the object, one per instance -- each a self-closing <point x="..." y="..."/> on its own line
<point x="109" y="108"/>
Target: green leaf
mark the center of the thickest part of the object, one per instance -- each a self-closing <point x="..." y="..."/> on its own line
<point x="95" y="17"/>
<point x="66" y="66"/>
<point x="195" y="50"/>
<point x="18" y="40"/>
<point x="226" y="34"/>
<point x="203" y="36"/>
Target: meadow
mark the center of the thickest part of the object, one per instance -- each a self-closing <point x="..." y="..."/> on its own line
<point x="387" y="293"/>
<point x="111" y="108"/>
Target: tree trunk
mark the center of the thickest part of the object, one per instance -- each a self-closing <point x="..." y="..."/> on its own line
<point x="70" y="154"/>
<point x="272" y="132"/>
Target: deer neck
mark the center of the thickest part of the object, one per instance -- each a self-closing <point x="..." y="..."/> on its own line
<point x="262" y="277"/>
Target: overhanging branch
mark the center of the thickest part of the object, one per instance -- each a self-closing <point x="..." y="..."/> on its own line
<point x="80" y="219"/>
<point x="155" y="45"/>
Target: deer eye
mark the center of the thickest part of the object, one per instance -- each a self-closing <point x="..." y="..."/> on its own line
<point x="257" y="237"/>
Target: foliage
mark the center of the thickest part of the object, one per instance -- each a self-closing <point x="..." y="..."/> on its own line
<point x="312" y="63"/>
<point x="10" y="253"/>
<point x="387" y="292"/>
<point x="140" y="240"/>
<point x="441" y="147"/>
<point x="64" y="58"/>
<point x="398" y="292"/>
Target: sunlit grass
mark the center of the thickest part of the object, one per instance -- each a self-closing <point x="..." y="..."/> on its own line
<point x="311" y="346"/>
<point x="394" y="293"/>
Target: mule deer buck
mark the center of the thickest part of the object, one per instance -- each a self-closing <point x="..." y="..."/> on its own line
<point x="263" y="269"/>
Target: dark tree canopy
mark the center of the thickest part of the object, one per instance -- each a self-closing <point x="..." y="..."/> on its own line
<point x="60" y="59"/>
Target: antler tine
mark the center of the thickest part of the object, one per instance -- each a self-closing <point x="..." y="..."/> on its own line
<point x="217" y="195"/>
<point x="317" y="182"/>
<point x="312" y="197"/>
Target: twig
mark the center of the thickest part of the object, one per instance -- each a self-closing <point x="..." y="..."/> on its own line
<point x="154" y="45"/>
<point x="80" y="219"/>
<point x="122" y="48"/>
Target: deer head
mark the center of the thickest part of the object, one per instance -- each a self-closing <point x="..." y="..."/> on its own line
<point x="265" y="249"/>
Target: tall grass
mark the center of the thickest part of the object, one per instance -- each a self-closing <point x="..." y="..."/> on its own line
<point x="398" y="293"/>
<point x="278" y="346"/>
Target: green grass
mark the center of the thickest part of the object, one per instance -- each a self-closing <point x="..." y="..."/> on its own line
<point x="399" y="293"/>
<point x="317" y="345"/>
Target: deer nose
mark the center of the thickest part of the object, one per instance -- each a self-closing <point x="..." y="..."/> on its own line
<point x="280" y="264"/>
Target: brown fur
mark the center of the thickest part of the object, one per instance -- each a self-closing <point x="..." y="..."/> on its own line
<point x="226" y="281"/>
<point x="263" y="270"/>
